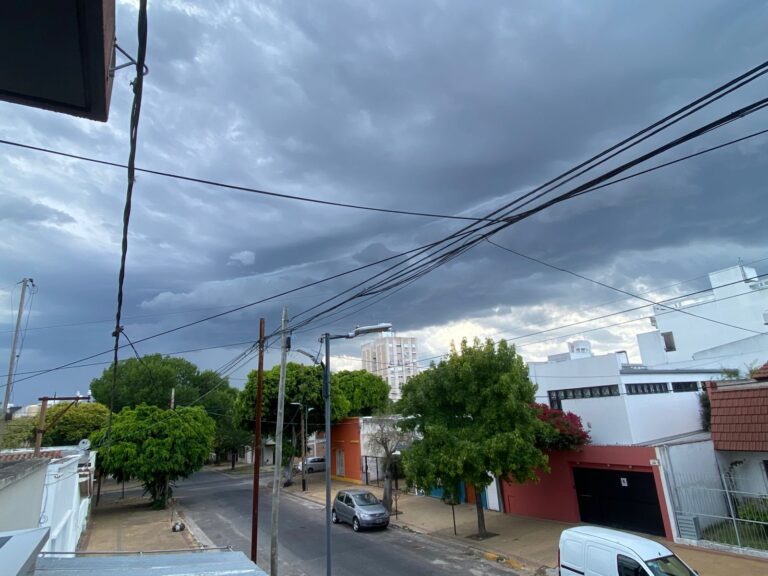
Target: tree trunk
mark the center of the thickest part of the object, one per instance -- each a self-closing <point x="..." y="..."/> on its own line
<point x="481" y="531"/>
<point x="234" y="458"/>
<point x="387" y="497"/>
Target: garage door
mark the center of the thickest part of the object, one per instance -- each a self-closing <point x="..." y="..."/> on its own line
<point x="619" y="499"/>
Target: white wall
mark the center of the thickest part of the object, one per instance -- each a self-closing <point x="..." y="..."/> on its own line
<point x="657" y="416"/>
<point x="750" y="475"/>
<point x="606" y="417"/>
<point x="693" y="481"/>
<point x="738" y="305"/>
<point x="64" y="511"/>
<point x="578" y="373"/>
<point x="20" y="501"/>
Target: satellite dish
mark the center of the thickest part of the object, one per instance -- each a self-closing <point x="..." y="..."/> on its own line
<point x="84" y="444"/>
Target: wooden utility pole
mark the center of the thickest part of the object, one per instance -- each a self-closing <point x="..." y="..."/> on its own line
<point x="257" y="446"/>
<point x="41" y="427"/>
<point x="279" y="442"/>
<point x="12" y="361"/>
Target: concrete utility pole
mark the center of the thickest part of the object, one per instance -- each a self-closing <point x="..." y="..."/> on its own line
<point x="257" y="446"/>
<point x="12" y="361"/>
<point x="279" y="442"/>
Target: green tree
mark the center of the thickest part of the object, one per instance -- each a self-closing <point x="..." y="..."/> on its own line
<point x="18" y="433"/>
<point x="303" y="384"/>
<point x="148" y="381"/>
<point x="367" y="393"/>
<point x="73" y="423"/>
<point x="156" y="447"/>
<point x="474" y="415"/>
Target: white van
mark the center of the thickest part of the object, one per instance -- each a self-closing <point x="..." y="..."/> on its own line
<point x="593" y="551"/>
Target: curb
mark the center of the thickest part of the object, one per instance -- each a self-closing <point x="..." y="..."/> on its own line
<point x="488" y="555"/>
<point x="195" y="532"/>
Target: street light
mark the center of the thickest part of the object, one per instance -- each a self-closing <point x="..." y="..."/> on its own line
<point x="358" y="331"/>
<point x="304" y="426"/>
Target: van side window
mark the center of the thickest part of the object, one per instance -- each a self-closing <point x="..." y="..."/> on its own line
<point x="629" y="567"/>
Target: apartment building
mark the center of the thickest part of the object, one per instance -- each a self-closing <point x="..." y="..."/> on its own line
<point x="394" y="358"/>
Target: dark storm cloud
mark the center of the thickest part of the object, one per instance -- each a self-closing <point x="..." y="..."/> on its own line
<point x="446" y="107"/>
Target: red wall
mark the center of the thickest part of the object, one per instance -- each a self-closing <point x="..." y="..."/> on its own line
<point x="346" y="436"/>
<point x="554" y="496"/>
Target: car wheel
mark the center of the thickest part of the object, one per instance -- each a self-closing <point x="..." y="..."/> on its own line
<point x="334" y="518"/>
<point x="355" y="524"/>
<point x="310" y="470"/>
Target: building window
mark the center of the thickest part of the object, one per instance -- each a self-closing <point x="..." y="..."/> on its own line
<point x="650" y="388"/>
<point x="556" y="397"/>
<point x="685" y="386"/>
<point x="669" y="341"/>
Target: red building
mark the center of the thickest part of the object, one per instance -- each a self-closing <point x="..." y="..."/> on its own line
<point x="619" y="486"/>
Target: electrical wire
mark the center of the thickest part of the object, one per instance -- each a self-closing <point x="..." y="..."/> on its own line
<point x="621" y="291"/>
<point x="138" y="87"/>
<point x="445" y="253"/>
<point x="249" y="189"/>
<point x="467" y="231"/>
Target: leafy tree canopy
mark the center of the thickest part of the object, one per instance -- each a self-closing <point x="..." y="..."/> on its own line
<point x="366" y="393"/>
<point x="73" y="423"/>
<point x="156" y="446"/>
<point x="355" y="393"/>
<point x="150" y="381"/>
<point x="18" y="433"/>
<point x="473" y="413"/>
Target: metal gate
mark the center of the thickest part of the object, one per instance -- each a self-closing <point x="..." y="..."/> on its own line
<point x="720" y="513"/>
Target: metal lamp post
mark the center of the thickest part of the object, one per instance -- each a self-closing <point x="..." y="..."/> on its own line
<point x="304" y="426"/>
<point x="326" y="338"/>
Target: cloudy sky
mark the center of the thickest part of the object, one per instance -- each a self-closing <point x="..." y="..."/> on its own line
<point x="442" y="107"/>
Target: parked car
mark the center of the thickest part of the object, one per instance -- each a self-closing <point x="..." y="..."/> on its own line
<point x="592" y="551"/>
<point x="314" y="464"/>
<point x="359" y="508"/>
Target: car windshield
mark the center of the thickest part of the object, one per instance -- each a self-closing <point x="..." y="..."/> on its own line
<point x="669" y="566"/>
<point x="365" y="499"/>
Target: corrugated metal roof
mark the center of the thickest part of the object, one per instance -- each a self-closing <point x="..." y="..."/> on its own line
<point x="181" y="564"/>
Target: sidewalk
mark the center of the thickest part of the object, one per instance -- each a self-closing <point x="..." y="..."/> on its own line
<point x="131" y="525"/>
<point x="523" y="543"/>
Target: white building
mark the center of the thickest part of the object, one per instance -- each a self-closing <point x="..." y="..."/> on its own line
<point x="621" y="403"/>
<point x="394" y="358"/>
<point x="725" y="326"/>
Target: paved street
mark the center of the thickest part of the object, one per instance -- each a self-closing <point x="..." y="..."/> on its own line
<point x="220" y="505"/>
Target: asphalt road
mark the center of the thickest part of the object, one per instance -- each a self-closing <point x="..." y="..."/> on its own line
<point x="221" y="506"/>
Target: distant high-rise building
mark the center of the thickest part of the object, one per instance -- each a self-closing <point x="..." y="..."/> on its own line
<point x="394" y="358"/>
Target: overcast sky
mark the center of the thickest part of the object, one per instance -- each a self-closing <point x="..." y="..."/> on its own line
<point x="448" y="107"/>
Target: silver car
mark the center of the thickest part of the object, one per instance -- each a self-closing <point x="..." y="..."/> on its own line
<point x="359" y="508"/>
<point x="314" y="464"/>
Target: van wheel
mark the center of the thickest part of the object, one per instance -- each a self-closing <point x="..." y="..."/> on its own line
<point x="310" y="470"/>
<point x="334" y="518"/>
<point x="355" y="524"/>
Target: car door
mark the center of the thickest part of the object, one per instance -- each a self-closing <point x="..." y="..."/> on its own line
<point x="346" y="508"/>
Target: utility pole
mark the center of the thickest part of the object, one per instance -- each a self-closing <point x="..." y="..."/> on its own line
<point x="304" y="451"/>
<point x="173" y="397"/>
<point x="279" y="442"/>
<point x="12" y="361"/>
<point x="257" y="446"/>
<point x="41" y="427"/>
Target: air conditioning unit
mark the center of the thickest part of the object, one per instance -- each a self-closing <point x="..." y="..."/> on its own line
<point x="765" y="317"/>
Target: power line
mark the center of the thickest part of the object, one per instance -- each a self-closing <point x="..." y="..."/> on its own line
<point x="435" y="259"/>
<point x="249" y="189"/>
<point x="604" y="285"/>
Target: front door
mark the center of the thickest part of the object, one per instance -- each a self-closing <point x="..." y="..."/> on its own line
<point x="340" y="462"/>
